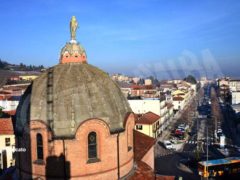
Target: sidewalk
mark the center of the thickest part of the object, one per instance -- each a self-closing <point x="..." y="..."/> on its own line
<point x="165" y="134"/>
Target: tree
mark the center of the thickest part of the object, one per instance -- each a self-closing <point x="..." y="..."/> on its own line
<point x="1" y="112"/>
<point x="3" y="64"/>
<point x="191" y="79"/>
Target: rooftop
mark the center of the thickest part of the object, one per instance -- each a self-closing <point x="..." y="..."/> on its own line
<point x="6" y="126"/>
<point x="143" y="144"/>
<point x="178" y="98"/>
<point x="148" y="118"/>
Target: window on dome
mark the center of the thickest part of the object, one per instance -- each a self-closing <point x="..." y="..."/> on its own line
<point x="39" y="147"/>
<point x="92" y="145"/>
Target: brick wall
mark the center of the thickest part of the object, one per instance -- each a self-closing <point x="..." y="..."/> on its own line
<point x="75" y="154"/>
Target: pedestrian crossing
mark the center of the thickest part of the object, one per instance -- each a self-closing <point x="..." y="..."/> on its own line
<point x="165" y="153"/>
<point x="202" y="142"/>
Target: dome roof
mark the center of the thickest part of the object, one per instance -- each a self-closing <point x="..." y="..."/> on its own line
<point x="68" y="94"/>
<point x="73" y="48"/>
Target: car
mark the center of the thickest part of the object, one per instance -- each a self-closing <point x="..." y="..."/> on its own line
<point x="183" y="126"/>
<point x="180" y="129"/>
<point x="167" y="144"/>
<point x="179" y="133"/>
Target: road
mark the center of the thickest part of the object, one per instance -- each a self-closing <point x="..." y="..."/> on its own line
<point x="183" y="161"/>
<point x="168" y="162"/>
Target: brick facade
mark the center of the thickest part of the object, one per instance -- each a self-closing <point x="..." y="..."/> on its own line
<point x="69" y="157"/>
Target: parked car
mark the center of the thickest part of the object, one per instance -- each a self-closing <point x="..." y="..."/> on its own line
<point x="167" y="144"/>
<point x="179" y="132"/>
<point x="183" y="126"/>
<point x="181" y="129"/>
<point x="219" y="131"/>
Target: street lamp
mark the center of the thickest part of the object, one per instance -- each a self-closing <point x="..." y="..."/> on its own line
<point x="207" y="155"/>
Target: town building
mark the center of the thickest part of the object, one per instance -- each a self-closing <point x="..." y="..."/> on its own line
<point x="156" y="106"/>
<point x="136" y="80"/>
<point x="145" y="91"/>
<point x="148" y="82"/>
<point x="28" y="77"/>
<point x="126" y="88"/>
<point x="178" y="103"/>
<point x="142" y="106"/>
<point x="10" y="96"/>
<point x="234" y="85"/>
<point x="149" y="124"/>
<point x="7" y="143"/>
<point x="235" y="97"/>
<point x="168" y="87"/>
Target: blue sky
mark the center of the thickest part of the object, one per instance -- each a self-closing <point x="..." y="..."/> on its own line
<point x="124" y="35"/>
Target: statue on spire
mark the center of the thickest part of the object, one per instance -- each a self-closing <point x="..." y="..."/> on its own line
<point x="73" y="28"/>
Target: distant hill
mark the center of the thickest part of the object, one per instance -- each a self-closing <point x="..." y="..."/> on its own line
<point x="4" y="65"/>
<point x="7" y="69"/>
<point x="4" y="75"/>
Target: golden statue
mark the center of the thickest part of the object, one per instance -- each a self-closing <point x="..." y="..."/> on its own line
<point x="73" y="27"/>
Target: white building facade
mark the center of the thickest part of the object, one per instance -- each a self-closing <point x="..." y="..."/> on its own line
<point x="235" y="97"/>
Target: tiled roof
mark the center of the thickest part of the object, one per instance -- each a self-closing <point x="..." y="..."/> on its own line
<point x="142" y="144"/>
<point x="11" y="113"/>
<point x="178" y="98"/>
<point x="137" y="87"/>
<point x="6" y="126"/>
<point x="144" y="172"/>
<point x="148" y="118"/>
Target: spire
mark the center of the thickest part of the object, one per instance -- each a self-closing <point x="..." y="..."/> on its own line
<point x="73" y="52"/>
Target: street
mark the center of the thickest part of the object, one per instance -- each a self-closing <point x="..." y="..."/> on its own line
<point x="199" y="145"/>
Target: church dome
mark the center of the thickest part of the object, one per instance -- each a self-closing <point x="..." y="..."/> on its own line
<point x="70" y="93"/>
<point x="73" y="48"/>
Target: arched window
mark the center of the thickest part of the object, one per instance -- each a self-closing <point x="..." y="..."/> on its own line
<point x="39" y="147"/>
<point x="92" y="145"/>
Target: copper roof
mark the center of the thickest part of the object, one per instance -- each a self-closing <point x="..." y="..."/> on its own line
<point x="6" y="126"/>
<point x="148" y="118"/>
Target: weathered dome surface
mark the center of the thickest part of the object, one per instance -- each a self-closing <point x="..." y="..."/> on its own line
<point x="68" y="94"/>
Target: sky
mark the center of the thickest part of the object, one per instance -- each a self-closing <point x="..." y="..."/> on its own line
<point x="135" y="37"/>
